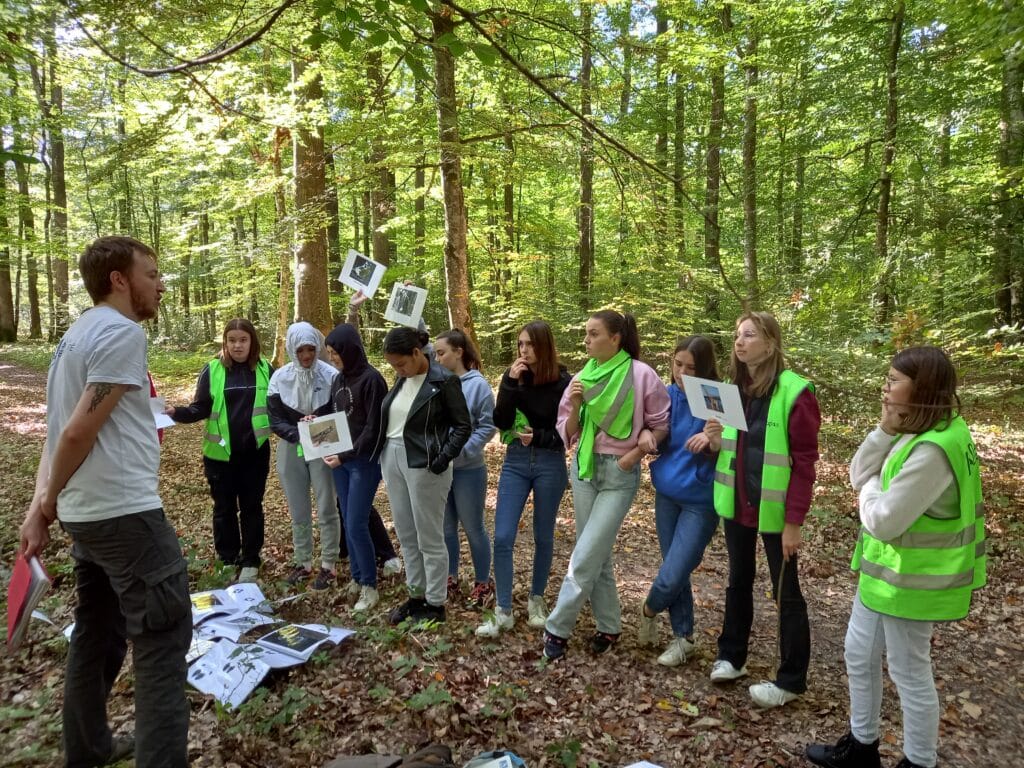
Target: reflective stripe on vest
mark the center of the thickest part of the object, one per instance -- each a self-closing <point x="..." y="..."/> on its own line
<point x="217" y="443"/>
<point x="928" y="572"/>
<point x="776" y="469"/>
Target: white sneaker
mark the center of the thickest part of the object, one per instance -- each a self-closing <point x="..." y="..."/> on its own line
<point x="392" y="566"/>
<point x="501" y="620"/>
<point x="677" y="651"/>
<point x="537" y="611"/>
<point x="769" y="695"/>
<point x="647" y="634"/>
<point x="368" y="597"/>
<point x="724" y="672"/>
<point x="352" y="589"/>
<point x="249" y="575"/>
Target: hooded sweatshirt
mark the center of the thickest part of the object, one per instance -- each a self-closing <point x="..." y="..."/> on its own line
<point x="357" y="391"/>
<point x="295" y="391"/>
<point x="685" y="477"/>
<point x="480" y="400"/>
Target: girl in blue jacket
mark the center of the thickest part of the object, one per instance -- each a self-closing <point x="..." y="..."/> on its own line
<point x="454" y="350"/>
<point x="684" y="510"/>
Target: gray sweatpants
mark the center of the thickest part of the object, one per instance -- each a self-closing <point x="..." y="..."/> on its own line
<point x="907" y="645"/>
<point x="297" y="475"/>
<point x="418" y="498"/>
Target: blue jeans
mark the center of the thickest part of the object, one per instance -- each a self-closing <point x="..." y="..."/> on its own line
<point x="684" y="531"/>
<point x="356" y="481"/>
<point x="465" y="505"/>
<point x="527" y="469"/>
<point x="132" y="586"/>
<point x="600" y="504"/>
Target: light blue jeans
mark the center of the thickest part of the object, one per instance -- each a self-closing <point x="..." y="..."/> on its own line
<point x="527" y="469"/>
<point x="466" y="505"/>
<point x="600" y="505"/>
<point x="684" y="531"/>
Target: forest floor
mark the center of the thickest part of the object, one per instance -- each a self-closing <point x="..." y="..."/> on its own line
<point x="388" y="691"/>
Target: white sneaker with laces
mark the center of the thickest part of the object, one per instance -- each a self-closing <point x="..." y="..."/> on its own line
<point x="724" y="672"/>
<point x="537" y="611"/>
<point x="368" y="597"/>
<point x="392" y="566"/>
<point x="677" y="652"/>
<point x="769" y="695"/>
<point x="647" y="634"/>
<point x="249" y="575"/>
<point x="493" y="626"/>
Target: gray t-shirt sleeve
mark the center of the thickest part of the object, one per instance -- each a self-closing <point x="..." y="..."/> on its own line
<point x="118" y="356"/>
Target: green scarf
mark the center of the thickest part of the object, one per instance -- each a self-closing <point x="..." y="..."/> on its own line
<point x="607" y="405"/>
<point x="508" y="436"/>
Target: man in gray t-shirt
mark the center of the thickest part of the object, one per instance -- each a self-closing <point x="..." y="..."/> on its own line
<point x="98" y="476"/>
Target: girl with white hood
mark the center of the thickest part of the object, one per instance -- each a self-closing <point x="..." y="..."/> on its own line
<point x="297" y="391"/>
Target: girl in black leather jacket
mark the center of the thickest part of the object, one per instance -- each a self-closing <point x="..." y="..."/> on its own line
<point x="424" y="424"/>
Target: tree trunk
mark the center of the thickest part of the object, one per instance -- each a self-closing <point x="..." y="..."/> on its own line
<point x="796" y="241"/>
<point x="382" y="192"/>
<point x="420" y="203"/>
<point x="456" y="257"/>
<point x="312" y="302"/>
<point x="750" y="69"/>
<point x="586" y="211"/>
<point x="943" y="211"/>
<point x="334" y="260"/>
<point x="883" y="286"/>
<point x="8" y="326"/>
<point x="662" y="112"/>
<point x="285" y="270"/>
<point x="27" y="237"/>
<point x="712" y="230"/>
<point x="51" y="107"/>
<point x="679" y="167"/>
<point x="624" y="23"/>
<point x="1009" y="229"/>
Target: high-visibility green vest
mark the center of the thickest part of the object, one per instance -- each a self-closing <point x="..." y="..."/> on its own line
<point x="777" y="463"/>
<point x="217" y="444"/>
<point x="929" y="572"/>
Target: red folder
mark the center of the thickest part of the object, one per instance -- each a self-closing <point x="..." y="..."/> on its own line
<point x="29" y="583"/>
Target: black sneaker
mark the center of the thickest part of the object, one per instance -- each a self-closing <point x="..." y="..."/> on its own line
<point x="298" y="574"/>
<point x="846" y="753"/>
<point x="406" y="609"/>
<point x="324" y="579"/>
<point x="121" y="748"/>
<point x="602" y="641"/>
<point x="428" y="612"/>
<point x="554" y="646"/>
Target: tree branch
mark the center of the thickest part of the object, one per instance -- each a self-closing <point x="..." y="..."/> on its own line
<point x="216" y="55"/>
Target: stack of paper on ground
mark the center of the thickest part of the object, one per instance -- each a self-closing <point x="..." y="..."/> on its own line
<point x="237" y="598"/>
<point x="230" y="671"/>
<point x="232" y="626"/>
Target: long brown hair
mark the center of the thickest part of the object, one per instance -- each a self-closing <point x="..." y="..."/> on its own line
<point x="623" y="324"/>
<point x="761" y="383"/>
<point x="933" y="397"/>
<point x="240" y="324"/>
<point x="703" y="350"/>
<point x="458" y="339"/>
<point x="545" y="370"/>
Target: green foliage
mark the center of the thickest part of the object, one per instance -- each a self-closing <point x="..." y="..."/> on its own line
<point x="567" y="752"/>
<point x="433" y="695"/>
<point x="265" y="713"/>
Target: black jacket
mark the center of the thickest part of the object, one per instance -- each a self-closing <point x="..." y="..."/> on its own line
<point x="438" y="424"/>
<point x="537" y="402"/>
<point x="357" y="391"/>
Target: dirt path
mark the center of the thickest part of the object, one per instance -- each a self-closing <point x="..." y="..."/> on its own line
<point x="386" y="691"/>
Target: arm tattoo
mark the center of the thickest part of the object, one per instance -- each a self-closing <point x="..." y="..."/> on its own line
<point x="99" y="392"/>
